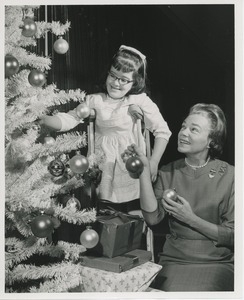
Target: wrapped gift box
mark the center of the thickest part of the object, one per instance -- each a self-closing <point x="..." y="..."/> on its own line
<point x="137" y="279"/>
<point x="118" y="233"/>
<point x="119" y="263"/>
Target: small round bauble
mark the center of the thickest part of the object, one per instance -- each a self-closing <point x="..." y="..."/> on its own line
<point x="79" y="164"/>
<point x="89" y="238"/>
<point x="83" y="110"/>
<point x="42" y="226"/>
<point x="56" y="168"/>
<point x="73" y="203"/>
<point x="48" y="140"/>
<point x="29" y="27"/>
<point x="171" y="194"/>
<point x="134" y="165"/>
<point x="11" y="65"/>
<point x="37" y="78"/>
<point x="61" y="46"/>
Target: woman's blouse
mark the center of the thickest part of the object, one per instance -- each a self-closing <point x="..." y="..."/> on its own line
<point x="210" y="192"/>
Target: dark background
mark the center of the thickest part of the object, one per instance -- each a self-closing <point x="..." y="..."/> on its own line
<point x="189" y="49"/>
<point x="190" y="55"/>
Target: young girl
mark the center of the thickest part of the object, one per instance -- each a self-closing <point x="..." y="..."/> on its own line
<point x="116" y="128"/>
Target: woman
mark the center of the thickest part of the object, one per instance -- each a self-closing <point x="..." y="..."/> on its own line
<point x="198" y="254"/>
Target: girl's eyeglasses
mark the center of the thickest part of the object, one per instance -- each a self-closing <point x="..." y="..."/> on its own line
<point x="122" y="81"/>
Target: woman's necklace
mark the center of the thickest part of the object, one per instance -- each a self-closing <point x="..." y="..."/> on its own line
<point x="198" y="167"/>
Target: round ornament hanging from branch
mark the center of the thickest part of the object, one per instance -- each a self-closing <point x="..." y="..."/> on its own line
<point x="11" y="65"/>
<point x="89" y="238"/>
<point x="56" y="168"/>
<point x="29" y="28"/>
<point x="42" y="226"/>
<point x="37" y="78"/>
<point x="61" y="46"/>
<point x="79" y="163"/>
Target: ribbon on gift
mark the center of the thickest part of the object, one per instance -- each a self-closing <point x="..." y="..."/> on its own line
<point x="111" y="213"/>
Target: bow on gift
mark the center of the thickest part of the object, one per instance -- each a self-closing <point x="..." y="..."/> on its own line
<point x="111" y="213"/>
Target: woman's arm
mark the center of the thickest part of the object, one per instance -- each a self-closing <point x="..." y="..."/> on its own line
<point x="158" y="151"/>
<point x="147" y="196"/>
<point x="222" y="235"/>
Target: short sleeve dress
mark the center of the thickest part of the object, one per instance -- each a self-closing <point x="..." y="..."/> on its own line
<point x="190" y="260"/>
<point x="115" y="129"/>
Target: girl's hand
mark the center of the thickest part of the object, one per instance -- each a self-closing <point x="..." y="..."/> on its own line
<point x="181" y="209"/>
<point x="153" y="169"/>
<point x="134" y="150"/>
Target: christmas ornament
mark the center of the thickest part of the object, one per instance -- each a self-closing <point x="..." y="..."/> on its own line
<point x="134" y="165"/>
<point x="48" y="140"/>
<point x="89" y="238"/>
<point x="61" y="46"/>
<point x="37" y="78"/>
<point x="82" y="111"/>
<point x="56" y="167"/>
<point x="11" y="65"/>
<point x="79" y="163"/>
<point x="50" y="212"/>
<point x="73" y="203"/>
<point x="171" y="194"/>
<point x="42" y="226"/>
<point x="29" y="28"/>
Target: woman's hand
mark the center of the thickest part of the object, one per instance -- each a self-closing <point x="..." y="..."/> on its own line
<point x="153" y="169"/>
<point x="134" y="150"/>
<point x="181" y="209"/>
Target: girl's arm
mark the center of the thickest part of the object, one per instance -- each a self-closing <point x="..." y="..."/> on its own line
<point x="51" y="122"/>
<point x="65" y="121"/>
<point x="62" y="121"/>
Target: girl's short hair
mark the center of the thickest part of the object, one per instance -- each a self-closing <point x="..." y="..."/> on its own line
<point x="218" y="126"/>
<point x="127" y="61"/>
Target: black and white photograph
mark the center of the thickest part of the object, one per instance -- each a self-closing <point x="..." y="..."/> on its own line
<point x="122" y="150"/>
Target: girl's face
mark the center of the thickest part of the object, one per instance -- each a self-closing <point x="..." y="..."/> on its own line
<point x="118" y="83"/>
<point x="193" y="137"/>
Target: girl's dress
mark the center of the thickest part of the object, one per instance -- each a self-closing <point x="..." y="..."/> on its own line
<point x="115" y="130"/>
<point x="190" y="260"/>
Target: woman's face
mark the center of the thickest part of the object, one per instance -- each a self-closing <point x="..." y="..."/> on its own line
<point x="118" y="83"/>
<point x="193" y="137"/>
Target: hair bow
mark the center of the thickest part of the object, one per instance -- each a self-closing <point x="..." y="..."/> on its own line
<point x="133" y="50"/>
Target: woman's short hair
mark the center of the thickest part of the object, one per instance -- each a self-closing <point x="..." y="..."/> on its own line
<point x="127" y="61"/>
<point x="218" y="126"/>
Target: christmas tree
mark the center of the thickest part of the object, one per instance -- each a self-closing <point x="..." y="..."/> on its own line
<point x="39" y="168"/>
